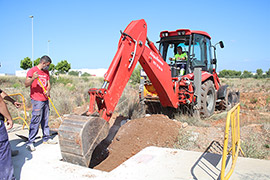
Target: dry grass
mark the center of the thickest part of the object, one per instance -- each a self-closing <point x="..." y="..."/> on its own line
<point x="248" y="84"/>
<point x="186" y="140"/>
<point x="254" y="148"/>
<point x="129" y="105"/>
<point x="67" y="92"/>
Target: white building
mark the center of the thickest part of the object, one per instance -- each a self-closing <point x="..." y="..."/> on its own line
<point x="94" y="72"/>
<point x="21" y="73"/>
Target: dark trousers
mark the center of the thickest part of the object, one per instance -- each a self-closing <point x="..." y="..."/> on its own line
<point x="6" y="167"/>
<point x="40" y="115"/>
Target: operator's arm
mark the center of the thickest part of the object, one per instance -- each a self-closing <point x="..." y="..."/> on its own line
<point x="4" y="111"/>
<point x="184" y="56"/>
<point x="29" y="80"/>
<point x="6" y="97"/>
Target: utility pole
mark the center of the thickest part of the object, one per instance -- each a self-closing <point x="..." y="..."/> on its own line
<point x="49" y="47"/>
<point x="32" y="17"/>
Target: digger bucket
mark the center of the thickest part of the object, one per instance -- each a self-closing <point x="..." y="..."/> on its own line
<point x="79" y="136"/>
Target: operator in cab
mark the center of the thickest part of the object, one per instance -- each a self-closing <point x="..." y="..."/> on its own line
<point x="180" y="56"/>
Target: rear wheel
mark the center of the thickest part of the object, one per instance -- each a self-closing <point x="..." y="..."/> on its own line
<point x="208" y="99"/>
<point x="228" y="99"/>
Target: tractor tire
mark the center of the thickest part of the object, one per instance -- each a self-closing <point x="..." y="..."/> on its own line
<point x="208" y="99"/>
<point x="228" y="100"/>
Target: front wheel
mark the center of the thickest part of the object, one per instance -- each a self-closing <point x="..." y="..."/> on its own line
<point x="208" y="99"/>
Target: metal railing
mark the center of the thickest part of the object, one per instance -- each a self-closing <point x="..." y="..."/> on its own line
<point x="24" y="108"/>
<point x="233" y="126"/>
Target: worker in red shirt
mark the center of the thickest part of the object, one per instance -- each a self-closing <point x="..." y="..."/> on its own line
<point x="39" y="100"/>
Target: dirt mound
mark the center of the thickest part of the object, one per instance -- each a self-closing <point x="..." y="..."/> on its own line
<point x="135" y="135"/>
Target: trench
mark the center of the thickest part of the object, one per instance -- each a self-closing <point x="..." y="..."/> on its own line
<point x="101" y="152"/>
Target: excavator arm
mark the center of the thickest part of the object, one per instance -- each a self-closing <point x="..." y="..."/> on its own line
<point x="80" y="135"/>
<point x="131" y="49"/>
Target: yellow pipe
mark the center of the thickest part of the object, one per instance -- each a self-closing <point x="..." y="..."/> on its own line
<point x="49" y="99"/>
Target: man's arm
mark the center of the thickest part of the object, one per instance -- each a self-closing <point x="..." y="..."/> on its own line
<point x="29" y="80"/>
<point x="6" y="97"/>
<point x="4" y="111"/>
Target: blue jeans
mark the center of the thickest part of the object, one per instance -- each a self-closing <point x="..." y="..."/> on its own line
<point x="6" y="167"/>
<point x="40" y="115"/>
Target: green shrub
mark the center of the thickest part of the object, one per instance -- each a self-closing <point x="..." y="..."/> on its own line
<point x="136" y="75"/>
<point x="253" y="100"/>
<point x="63" y="80"/>
<point x="85" y="74"/>
<point x="16" y="85"/>
<point x="73" y="73"/>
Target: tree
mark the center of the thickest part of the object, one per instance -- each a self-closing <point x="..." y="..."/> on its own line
<point x="259" y="73"/>
<point x="85" y="74"/>
<point x="230" y="73"/>
<point x="268" y="73"/>
<point x="36" y="62"/>
<point x="73" y="73"/>
<point x="51" y="67"/>
<point x="63" y="67"/>
<point x="26" y="63"/>
<point x="246" y="74"/>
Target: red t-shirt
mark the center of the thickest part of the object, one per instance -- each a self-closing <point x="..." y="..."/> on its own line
<point x="36" y="91"/>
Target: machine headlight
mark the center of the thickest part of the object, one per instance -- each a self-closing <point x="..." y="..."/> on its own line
<point x="181" y="33"/>
<point x="165" y="34"/>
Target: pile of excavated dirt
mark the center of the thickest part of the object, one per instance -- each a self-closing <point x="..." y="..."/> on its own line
<point x="135" y="135"/>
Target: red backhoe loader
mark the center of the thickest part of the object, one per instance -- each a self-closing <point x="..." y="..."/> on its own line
<point x="198" y="87"/>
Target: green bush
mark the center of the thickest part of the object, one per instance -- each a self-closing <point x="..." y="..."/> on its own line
<point x="230" y="73"/>
<point x="73" y="73"/>
<point x="63" y="80"/>
<point x="85" y="74"/>
<point x="136" y="75"/>
<point x="16" y="85"/>
<point x="246" y="74"/>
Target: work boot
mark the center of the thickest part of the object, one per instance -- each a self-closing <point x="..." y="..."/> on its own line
<point x="50" y="141"/>
<point x="30" y="147"/>
<point x="14" y="153"/>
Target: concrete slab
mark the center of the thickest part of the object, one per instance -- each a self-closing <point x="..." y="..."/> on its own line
<point x="45" y="162"/>
<point x="163" y="163"/>
<point x="151" y="163"/>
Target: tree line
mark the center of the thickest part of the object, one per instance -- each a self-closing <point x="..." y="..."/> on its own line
<point x="245" y="74"/>
<point x="62" y="67"/>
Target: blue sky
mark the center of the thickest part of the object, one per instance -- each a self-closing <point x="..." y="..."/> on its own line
<point x="86" y="33"/>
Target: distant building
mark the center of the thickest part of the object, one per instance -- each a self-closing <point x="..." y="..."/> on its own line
<point x="94" y="72"/>
<point x="21" y="73"/>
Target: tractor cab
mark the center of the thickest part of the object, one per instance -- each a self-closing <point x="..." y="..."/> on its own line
<point x="196" y="51"/>
<point x="195" y="45"/>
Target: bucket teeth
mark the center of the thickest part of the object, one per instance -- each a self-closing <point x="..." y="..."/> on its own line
<point x="79" y="136"/>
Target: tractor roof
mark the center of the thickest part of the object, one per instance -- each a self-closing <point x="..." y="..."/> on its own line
<point x="182" y="32"/>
